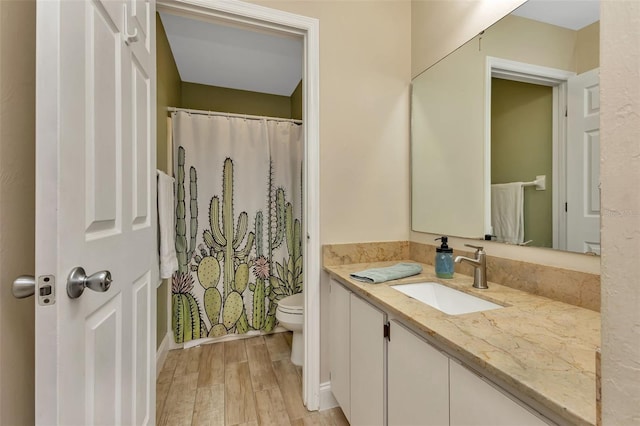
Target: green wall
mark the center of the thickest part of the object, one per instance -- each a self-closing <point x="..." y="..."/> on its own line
<point x="168" y="94"/>
<point x="521" y="149"/>
<point x="169" y="89"/>
<point x="212" y="98"/>
<point x="296" y="102"/>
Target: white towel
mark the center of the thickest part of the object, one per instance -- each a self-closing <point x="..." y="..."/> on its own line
<point x="168" y="259"/>
<point x="507" y="212"/>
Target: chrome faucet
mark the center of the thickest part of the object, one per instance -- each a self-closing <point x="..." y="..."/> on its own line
<point x="480" y="265"/>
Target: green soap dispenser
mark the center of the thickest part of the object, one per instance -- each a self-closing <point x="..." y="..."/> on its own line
<point x="444" y="259"/>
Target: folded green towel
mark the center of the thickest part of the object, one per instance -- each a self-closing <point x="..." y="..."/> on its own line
<point x="380" y="275"/>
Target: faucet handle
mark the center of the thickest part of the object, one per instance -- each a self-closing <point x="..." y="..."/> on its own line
<point x="478" y="248"/>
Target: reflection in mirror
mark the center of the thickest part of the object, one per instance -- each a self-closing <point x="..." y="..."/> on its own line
<point x="511" y="112"/>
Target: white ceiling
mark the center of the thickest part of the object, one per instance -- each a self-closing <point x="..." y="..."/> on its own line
<point x="572" y="14"/>
<point x="226" y="56"/>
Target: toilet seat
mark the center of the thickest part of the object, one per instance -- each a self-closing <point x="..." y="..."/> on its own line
<point x="293" y="305"/>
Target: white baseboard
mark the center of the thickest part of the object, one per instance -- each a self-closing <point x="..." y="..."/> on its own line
<point x="161" y="353"/>
<point x="327" y="400"/>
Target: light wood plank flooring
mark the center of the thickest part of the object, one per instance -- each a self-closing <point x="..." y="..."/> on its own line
<point x="242" y="382"/>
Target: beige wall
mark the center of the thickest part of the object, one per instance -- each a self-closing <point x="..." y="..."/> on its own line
<point x="620" y="172"/>
<point x="588" y="48"/>
<point x="439" y="26"/>
<point x="17" y="207"/>
<point x="364" y="109"/>
<point x="532" y="42"/>
<point x="447" y="150"/>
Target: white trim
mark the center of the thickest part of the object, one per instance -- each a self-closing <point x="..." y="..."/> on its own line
<point x="559" y="185"/>
<point x="262" y="18"/>
<point x="161" y="353"/>
<point x="327" y="400"/>
<point x="46" y="253"/>
<point x="527" y="73"/>
<point x="488" y="228"/>
<point x="545" y="76"/>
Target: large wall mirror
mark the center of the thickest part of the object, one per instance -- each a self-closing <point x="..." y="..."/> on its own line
<point x="505" y="132"/>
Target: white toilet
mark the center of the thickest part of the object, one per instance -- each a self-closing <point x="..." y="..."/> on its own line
<point x="290" y="314"/>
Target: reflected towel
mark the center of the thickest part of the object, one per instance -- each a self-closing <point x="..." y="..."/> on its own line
<point x="507" y="212"/>
<point x="379" y="275"/>
<point x="168" y="258"/>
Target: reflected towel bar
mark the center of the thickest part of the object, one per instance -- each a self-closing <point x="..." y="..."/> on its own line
<point x="540" y="183"/>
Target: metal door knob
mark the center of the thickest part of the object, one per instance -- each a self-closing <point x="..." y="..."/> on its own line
<point x="24" y="286"/>
<point x="78" y="281"/>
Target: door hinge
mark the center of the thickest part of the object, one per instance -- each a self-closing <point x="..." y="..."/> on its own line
<point x="566" y="112"/>
<point x="565" y="207"/>
<point x="386" y="331"/>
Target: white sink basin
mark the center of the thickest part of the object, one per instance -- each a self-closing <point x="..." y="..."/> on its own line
<point x="445" y="299"/>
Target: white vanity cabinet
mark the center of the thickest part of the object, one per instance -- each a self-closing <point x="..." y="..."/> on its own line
<point x="417" y="380"/>
<point x="340" y="344"/>
<point x="406" y="380"/>
<point x="357" y="356"/>
<point x="476" y="402"/>
<point x="367" y="363"/>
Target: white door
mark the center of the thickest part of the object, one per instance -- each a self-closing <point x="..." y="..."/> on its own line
<point x="96" y="209"/>
<point x="473" y="401"/>
<point x="418" y="380"/>
<point x="583" y="163"/>
<point x="340" y="345"/>
<point x="367" y="363"/>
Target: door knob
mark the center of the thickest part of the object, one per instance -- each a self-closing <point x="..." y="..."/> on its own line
<point x="78" y="281"/>
<point x="24" y="286"/>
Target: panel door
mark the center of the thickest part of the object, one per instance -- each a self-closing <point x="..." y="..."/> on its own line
<point x="368" y="364"/>
<point x="475" y="402"/>
<point x="418" y="380"/>
<point x="340" y="343"/>
<point x="95" y="209"/>
<point x="583" y="163"/>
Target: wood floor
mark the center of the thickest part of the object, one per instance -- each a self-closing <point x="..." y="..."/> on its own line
<point x="242" y="382"/>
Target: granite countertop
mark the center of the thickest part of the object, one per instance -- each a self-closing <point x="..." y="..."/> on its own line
<point x="541" y="348"/>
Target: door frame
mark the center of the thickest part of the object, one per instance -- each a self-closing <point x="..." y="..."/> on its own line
<point x="544" y="76"/>
<point x="260" y="18"/>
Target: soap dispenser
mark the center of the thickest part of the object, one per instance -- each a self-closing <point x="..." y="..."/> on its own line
<point x="444" y="259"/>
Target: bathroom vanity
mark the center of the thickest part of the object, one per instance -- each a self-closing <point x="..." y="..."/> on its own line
<point x="395" y="360"/>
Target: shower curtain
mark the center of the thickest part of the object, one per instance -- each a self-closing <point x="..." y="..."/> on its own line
<point x="238" y="223"/>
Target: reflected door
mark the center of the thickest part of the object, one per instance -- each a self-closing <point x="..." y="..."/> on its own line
<point x="583" y="163"/>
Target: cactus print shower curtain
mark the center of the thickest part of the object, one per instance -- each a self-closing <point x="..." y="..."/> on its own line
<point x="238" y="223"/>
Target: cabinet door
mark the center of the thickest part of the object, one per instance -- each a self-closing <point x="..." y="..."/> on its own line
<point x="339" y="345"/>
<point x="476" y="402"/>
<point x="418" y="380"/>
<point x="367" y="364"/>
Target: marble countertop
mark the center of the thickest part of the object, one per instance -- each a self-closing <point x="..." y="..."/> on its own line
<point x="542" y="349"/>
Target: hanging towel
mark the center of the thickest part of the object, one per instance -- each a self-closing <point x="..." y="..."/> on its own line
<point x="168" y="259"/>
<point x="380" y="275"/>
<point x="507" y="212"/>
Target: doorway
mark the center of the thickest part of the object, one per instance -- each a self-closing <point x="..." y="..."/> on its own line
<point x="557" y="81"/>
<point x="264" y="20"/>
<point x="575" y="150"/>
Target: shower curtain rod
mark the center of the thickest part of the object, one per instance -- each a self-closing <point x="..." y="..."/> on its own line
<point x="228" y="114"/>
